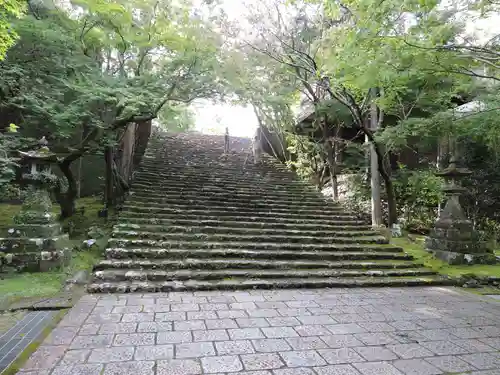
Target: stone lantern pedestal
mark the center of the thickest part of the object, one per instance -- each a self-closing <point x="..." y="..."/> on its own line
<point x="35" y="241"/>
<point x="453" y="238"/>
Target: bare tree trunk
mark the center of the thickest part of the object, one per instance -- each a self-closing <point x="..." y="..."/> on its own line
<point x="108" y="157"/>
<point x="374" y="168"/>
<point x="67" y="200"/>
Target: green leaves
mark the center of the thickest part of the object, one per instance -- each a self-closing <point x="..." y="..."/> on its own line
<point x="9" y="10"/>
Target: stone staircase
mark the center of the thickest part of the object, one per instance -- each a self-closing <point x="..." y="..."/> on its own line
<point x="197" y="219"/>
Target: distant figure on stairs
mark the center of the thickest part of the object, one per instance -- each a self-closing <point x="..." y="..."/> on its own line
<point x="226" y="141"/>
<point x="257" y="147"/>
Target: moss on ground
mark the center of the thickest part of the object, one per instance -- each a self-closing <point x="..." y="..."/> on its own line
<point x="417" y="250"/>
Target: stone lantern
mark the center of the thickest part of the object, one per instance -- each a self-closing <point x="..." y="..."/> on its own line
<point x="453" y="238"/>
<point x="35" y="241"/>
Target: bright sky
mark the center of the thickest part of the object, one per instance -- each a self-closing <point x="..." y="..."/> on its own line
<point x="213" y="119"/>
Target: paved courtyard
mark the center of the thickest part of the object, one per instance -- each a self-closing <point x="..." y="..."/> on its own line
<point x="412" y="331"/>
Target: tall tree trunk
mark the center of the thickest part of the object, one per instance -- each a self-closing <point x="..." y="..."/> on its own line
<point x="108" y="157"/>
<point x="374" y="167"/>
<point x="67" y="201"/>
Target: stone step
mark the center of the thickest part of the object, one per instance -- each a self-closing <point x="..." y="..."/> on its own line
<point x="276" y="208"/>
<point x="359" y="252"/>
<point x="245" y="283"/>
<point x="345" y="237"/>
<point x="236" y="202"/>
<point x="194" y="228"/>
<point x="210" y="191"/>
<point x="203" y="244"/>
<point x="232" y="211"/>
<point x="237" y="223"/>
<point x="219" y="176"/>
<point x="173" y="185"/>
<point x="182" y="275"/>
<point x="229" y="196"/>
<point x="208" y="215"/>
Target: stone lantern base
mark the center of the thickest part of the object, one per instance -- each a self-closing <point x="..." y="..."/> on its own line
<point x="456" y="242"/>
<point x="35" y="243"/>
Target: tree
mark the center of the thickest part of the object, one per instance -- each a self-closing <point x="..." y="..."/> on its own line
<point x="9" y="10"/>
<point x="116" y="64"/>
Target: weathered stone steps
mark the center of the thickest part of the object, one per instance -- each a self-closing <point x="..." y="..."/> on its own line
<point x="181" y="215"/>
<point x="245" y="283"/>
<point x="215" y="260"/>
<point x="230" y="211"/>
<point x="242" y="206"/>
<point x="194" y="228"/>
<point x="227" y="196"/>
<point x="232" y="243"/>
<point x="173" y="185"/>
<point x="280" y="205"/>
<point x="345" y="237"/>
<point x="139" y="223"/>
<point x="196" y="219"/>
<point x="337" y="253"/>
<point x="160" y="275"/>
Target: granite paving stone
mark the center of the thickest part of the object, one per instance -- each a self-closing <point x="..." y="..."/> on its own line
<point x="450" y="364"/>
<point x="302" y="358"/>
<point x="154" y="352"/>
<point x="377" y="368"/>
<point x="341" y="341"/>
<point x="271" y="345"/>
<point x="88" y="369"/>
<point x="262" y="361"/>
<point x="201" y="315"/>
<point x="375" y="353"/>
<point x="312" y="330"/>
<point x="194" y="350"/>
<point x="376" y="331"/>
<point x="138" y="317"/>
<point x="92" y="341"/>
<point x="294" y="371"/>
<point x="220" y="323"/>
<point x="117" y="328"/>
<point x="174" y="337"/>
<point x="483" y="361"/>
<point x="234" y="347"/>
<point x="154" y="326"/>
<point x="345" y="328"/>
<point x="416" y="367"/>
<point x="336" y="370"/>
<point x="409" y="351"/>
<point x="443" y="347"/>
<point x="227" y="363"/>
<point x="134" y="339"/>
<point x="75" y="356"/>
<point x="178" y="367"/>
<point x="252" y="322"/>
<point x="339" y="356"/>
<point x="305" y="343"/>
<point x="130" y="368"/>
<point x="279" y="332"/>
<point x="210" y="335"/>
<point x="115" y="354"/>
<point x="245" y="333"/>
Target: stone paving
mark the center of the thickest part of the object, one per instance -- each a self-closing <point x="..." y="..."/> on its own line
<point x="412" y="331"/>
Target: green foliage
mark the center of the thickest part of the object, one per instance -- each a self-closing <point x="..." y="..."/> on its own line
<point x="419" y="193"/>
<point x="9" y="9"/>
